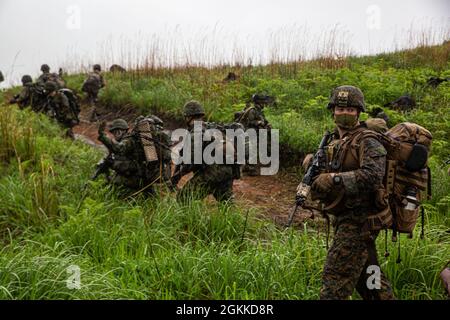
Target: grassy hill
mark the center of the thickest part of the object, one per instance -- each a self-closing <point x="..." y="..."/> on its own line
<point x="51" y="218"/>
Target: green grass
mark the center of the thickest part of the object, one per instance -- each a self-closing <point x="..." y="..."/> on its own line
<point x="158" y="249"/>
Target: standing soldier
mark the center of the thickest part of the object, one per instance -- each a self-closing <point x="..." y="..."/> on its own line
<point x="215" y="179"/>
<point x="58" y="106"/>
<point x="92" y="86"/>
<point x="252" y="117"/>
<point x="351" y="190"/>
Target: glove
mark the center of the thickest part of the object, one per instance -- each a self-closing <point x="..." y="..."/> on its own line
<point x="323" y="183"/>
<point x="101" y="128"/>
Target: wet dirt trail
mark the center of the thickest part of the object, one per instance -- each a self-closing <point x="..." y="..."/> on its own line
<point x="273" y="196"/>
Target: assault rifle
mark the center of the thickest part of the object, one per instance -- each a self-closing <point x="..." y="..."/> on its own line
<point x="318" y="164"/>
<point x="103" y="166"/>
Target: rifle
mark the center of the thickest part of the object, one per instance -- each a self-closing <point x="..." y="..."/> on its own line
<point x="102" y="167"/>
<point x="304" y="188"/>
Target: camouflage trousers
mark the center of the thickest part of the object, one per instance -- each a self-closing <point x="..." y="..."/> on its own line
<point x="92" y="96"/>
<point x="347" y="266"/>
<point x="215" y="180"/>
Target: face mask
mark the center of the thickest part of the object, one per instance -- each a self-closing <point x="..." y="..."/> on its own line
<point x="345" y="121"/>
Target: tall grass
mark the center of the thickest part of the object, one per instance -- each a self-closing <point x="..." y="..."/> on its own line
<point x="159" y="249"/>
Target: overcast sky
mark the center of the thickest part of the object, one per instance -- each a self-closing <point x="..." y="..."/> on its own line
<point x="71" y="33"/>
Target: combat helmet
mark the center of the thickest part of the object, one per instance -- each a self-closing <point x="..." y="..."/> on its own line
<point x="26" y="79"/>
<point x="97" y="67"/>
<point x="118" y="124"/>
<point x="193" y="108"/>
<point x="347" y="96"/>
<point x="45" y="68"/>
<point x="260" y="98"/>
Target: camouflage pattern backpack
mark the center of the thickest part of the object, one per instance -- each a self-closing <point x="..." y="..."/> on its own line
<point x="92" y="83"/>
<point x="57" y="79"/>
<point x="230" y="148"/>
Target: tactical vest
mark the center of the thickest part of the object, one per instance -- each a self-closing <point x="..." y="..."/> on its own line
<point x="343" y="156"/>
<point x="243" y="116"/>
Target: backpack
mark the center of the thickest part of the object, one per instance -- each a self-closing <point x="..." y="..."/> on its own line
<point x="407" y="176"/>
<point x="92" y="83"/>
<point x="73" y="101"/>
<point x="57" y="79"/>
<point x="155" y="142"/>
<point x="230" y="145"/>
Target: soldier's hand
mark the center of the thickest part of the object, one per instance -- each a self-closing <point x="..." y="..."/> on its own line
<point x="101" y="127"/>
<point x="323" y="183"/>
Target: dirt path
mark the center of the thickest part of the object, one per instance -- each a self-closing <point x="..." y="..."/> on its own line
<point x="272" y="195"/>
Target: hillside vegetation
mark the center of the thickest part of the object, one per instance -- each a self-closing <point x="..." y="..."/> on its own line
<point x="53" y="217"/>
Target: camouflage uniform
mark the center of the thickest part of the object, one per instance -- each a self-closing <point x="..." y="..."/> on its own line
<point x="58" y="107"/>
<point x="92" y="86"/>
<point x="129" y="162"/>
<point x="359" y="169"/>
<point x="48" y="76"/>
<point x="32" y="95"/>
<point x="23" y="99"/>
<point x="253" y="118"/>
<point x="215" y="179"/>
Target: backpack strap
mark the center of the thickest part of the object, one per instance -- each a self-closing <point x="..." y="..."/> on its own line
<point x="245" y="113"/>
<point x="355" y="143"/>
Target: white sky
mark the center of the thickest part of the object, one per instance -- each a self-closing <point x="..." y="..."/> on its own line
<point x="70" y="33"/>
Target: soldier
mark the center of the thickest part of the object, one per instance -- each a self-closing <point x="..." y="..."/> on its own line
<point x="47" y="76"/>
<point x="92" y="86"/>
<point x="253" y="117"/>
<point x="128" y="157"/>
<point x="215" y="179"/>
<point x="32" y="95"/>
<point x="351" y="190"/>
<point x="58" y="107"/>
<point x="24" y="98"/>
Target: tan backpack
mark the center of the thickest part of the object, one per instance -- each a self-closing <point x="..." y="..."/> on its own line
<point x="407" y="174"/>
<point x="406" y="179"/>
